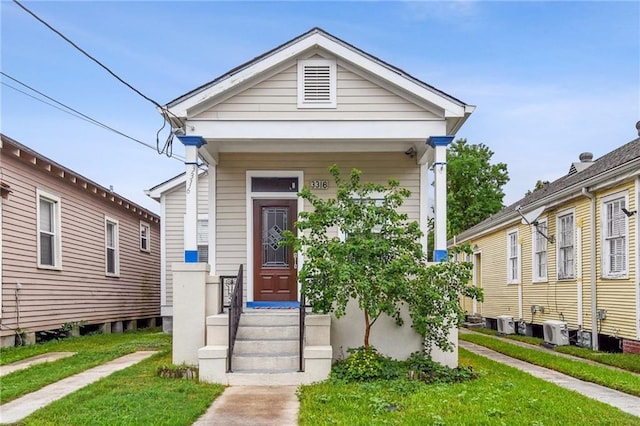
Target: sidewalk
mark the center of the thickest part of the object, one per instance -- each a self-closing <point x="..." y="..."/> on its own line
<point x="38" y="359"/>
<point x="20" y="408"/>
<point x="627" y="403"/>
<point x="253" y="406"/>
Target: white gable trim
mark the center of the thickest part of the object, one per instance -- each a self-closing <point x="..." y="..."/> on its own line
<point x="453" y="108"/>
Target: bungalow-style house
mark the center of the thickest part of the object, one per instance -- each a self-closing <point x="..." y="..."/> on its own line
<point x="562" y="263"/>
<point x="74" y="254"/>
<point x="263" y="130"/>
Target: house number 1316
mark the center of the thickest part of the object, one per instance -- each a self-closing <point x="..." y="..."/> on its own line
<point x="319" y="184"/>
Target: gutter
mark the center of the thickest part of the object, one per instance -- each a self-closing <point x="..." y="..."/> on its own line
<point x="592" y="237"/>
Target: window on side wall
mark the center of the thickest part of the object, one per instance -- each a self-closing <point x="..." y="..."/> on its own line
<point x="49" y="239"/>
<point x="203" y="239"/>
<point x="540" y="251"/>
<point x="513" y="257"/>
<point x="112" y="252"/>
<point x="145" y="237"/>
<point x="566" y="253"/>
<point x="615" y="237"/>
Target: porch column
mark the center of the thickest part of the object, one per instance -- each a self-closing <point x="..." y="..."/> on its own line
<point x="439" y="144"/>
<point x="191" y="144"/>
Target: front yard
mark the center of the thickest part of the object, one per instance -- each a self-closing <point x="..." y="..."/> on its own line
<point x="137" y="396"/>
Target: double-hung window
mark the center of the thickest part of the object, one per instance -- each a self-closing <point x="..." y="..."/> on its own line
<point x="112" y="252"/>
<point x="615" y="237"/>
<point x="145" y="237"/>
<point x="49" y="239"/>
<point x="566" y="251"/>
<point x="540" y="251"/>
<point x="513" y="257"/>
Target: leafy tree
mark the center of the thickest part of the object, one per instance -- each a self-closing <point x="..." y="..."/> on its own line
<point x="474" y="185"/>
<point x="380" y="262"/>
<point x="539" y="185"/>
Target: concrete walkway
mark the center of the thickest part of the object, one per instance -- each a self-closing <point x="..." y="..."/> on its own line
<point x="253" y="406"/>
<point x="627" y="403"/>
<point x="20" y="408"/>
<point x="39" y="359"/>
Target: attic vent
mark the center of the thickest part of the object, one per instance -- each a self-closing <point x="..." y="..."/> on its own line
<point x="316" y="83"/>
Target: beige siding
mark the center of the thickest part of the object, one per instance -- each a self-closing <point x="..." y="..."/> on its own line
<point x="560" y="297"/>
<point x="276" y="99"/>
<point x="80" y="291"/>
<point x="173" y="226"/>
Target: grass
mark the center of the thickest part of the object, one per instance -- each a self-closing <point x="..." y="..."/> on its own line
<point x="502" y="395"/>
<point x="90" y="352"/>
<point x="614" y="379"/>
<point x="133" y="396"/>
<point x="629" y="362"/>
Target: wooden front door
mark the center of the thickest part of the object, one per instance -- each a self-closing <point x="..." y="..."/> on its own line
<point x="274" y="269"/>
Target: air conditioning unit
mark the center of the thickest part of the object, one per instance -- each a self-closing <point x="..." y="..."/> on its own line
<point x="556" y="333"/>
<point x="505" y="324"/>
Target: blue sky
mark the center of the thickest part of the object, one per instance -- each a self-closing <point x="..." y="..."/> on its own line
<point x="550" y="79"/>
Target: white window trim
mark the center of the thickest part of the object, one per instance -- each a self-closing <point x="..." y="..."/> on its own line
<point x="535" y="234"/>
<point x="250" y="196"/>
<point x="558" y="232"/>
<point x="516" y="279"/>
<point x="110" y="220"/>
<point x="202" y="216"/>
<point x="148" y="227"/>
<point x="57" y="256"/>
<point x="603" y="243"/>
<point x="374" y="195"/>
<point x="333" y="80"/>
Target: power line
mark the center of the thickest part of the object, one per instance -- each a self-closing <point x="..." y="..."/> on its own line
<point x="71" y="111"/>
<point x="165" y="113"/>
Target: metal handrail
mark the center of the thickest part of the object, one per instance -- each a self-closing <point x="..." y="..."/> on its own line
<point x="235" y="309"/>
<point x="303" y="306"/>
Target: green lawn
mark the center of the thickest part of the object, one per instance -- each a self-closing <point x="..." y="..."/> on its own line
<point x="630" y="362"/>
<point x="615" y="379"/>
<point x="133" y="396"/>
<point x="501" y="396"/>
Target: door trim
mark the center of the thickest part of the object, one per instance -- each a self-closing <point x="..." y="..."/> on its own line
<point x="250" y="196"/>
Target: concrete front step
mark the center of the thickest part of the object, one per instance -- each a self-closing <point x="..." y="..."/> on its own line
<point x="281" y="378"/>
<point x="266" y="346"/>
<point x="272" y="332"/>
<point x="266" y="362"/>
<point x="269" y="318"/>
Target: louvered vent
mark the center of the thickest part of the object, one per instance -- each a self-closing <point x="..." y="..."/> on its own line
<point x="316" y="83"/>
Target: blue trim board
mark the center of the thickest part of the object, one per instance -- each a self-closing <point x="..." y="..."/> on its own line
<point x="192" y="140"/>
<point x="440" y="140"/>
<point x="440" y="256"/>
<point x="273" y="305"/>
<point x="191" y="256"/>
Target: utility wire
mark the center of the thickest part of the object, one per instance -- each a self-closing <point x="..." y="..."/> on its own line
<point x="71" y="111"/>
<point x="168" y="144"/>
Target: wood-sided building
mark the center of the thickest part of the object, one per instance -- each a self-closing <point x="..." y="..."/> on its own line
<point x="73" y="252"/>
<point x="567" y="252"/>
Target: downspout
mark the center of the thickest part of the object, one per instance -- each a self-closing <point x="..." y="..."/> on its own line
<point x="592" y="235"/>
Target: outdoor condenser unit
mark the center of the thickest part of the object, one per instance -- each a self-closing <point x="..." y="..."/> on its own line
<point x="556" y="332"/>
<point x="506" y="324"/>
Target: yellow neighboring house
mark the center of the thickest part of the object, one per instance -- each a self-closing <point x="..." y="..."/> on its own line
<point x="562" y="263"/>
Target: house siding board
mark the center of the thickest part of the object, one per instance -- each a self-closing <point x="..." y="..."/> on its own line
<point x="80" y="291"/>
<point x="276" y="99"/>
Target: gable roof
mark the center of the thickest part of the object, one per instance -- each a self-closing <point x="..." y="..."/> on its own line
<point x="625" y="159"/>
<point x="15" y="149"/>
<point x="318" y="38"/>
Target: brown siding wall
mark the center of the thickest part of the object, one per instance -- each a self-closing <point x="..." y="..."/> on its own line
<point x="80" y="291"/>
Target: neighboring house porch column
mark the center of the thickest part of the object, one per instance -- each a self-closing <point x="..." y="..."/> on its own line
<point x="439" y="144"/>
<point x="191" y="145"/>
